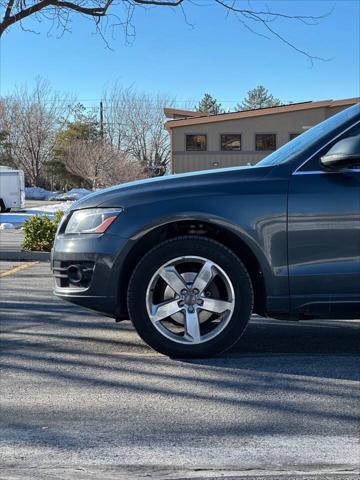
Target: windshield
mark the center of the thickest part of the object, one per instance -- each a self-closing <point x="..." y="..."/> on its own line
<point x="309" y="137"/>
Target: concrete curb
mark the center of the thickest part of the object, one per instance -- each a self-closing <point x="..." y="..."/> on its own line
<point x="27" y="256"/>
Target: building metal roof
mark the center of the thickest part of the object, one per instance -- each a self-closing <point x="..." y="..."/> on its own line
<point x="196" y="118"/>
<point x="176" y="112"/>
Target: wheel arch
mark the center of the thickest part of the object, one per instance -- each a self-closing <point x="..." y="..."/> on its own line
<point x="218" y="230"/>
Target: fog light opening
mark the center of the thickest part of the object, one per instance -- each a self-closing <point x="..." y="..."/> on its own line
<point x="75" y="274"/>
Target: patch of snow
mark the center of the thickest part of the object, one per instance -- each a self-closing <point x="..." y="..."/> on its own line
<point x="37" y="193"/>
<point x="6" y="226"/>
<point x="51" y="209"/>
<point x="73" y="194"/>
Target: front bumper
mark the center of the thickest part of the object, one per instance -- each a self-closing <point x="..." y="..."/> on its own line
<point x="100" y="258"/>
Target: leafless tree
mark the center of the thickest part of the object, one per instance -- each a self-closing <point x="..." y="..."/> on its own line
<point x="31" y="119"/>
<point x="120" y="13"/>
<point x="100" y="163"/>
<point x="124" y="169"/>
<point x="134" y="124"/>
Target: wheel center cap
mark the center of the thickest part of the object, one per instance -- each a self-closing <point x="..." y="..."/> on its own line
<point x="190" y="299"/>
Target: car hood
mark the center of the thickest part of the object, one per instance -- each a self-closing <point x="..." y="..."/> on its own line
<point x="186" y="184"/>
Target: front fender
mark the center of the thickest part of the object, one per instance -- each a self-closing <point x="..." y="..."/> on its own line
<point x="266" y="238"/>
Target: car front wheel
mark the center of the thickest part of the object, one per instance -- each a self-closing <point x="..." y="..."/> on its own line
<point x="190" y="297"/>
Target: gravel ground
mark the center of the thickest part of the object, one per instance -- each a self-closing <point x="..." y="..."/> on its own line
<point x="83" y="397"/>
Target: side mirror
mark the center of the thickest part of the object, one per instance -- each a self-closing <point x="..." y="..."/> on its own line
<point x="344" y="154"/>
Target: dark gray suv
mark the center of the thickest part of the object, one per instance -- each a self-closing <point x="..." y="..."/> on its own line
<point x="189" y="257"/>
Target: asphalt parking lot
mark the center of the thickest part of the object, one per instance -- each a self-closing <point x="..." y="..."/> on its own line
<point x="84" y="397"/>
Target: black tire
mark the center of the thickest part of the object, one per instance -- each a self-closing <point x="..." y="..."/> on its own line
<point x="193" y="246"/>
<point x="2" y="206"/>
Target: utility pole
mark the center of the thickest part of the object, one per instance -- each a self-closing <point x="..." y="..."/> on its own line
<point x="101" y="121"/>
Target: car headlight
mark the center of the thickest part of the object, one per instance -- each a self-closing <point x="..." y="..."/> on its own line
<point x="91" y="220"/>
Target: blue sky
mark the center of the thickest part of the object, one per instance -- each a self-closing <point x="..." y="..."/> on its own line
<point x="216" y="55"/>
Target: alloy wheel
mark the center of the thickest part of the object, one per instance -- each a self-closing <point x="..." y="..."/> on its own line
<point x="190" y="300"/>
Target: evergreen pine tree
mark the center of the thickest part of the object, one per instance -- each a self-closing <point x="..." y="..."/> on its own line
<point x="209" y="105"/>
<point x="259" y="97"/>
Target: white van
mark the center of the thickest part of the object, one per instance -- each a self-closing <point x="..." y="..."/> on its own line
<point x="12" y="189"/>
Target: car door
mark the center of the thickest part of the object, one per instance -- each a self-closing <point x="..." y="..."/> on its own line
<point x="324" y="238"/>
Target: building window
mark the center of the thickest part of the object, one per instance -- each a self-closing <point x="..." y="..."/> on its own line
<point x="293" y="135"/>
<point x="230" y="142"/>
<point x="265" y="141"/>
<point x="196" y="143"/>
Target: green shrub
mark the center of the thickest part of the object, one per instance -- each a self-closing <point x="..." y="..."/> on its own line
<point x="39" y="232"/>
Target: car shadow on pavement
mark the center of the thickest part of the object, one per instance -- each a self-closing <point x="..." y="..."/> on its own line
<point x="263" y="336"/>
<point x="26" y="302"/>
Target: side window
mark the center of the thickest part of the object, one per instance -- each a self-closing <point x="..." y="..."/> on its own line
<point x="265" y="142"/>
<point x="314" y="164"/>
<point x="230" y="141"/>
<point x="195" y="143"/>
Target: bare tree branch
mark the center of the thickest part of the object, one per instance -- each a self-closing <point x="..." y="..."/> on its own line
<point x="99" y="163"/>
<point x="134" y="123"/>
<point x="8" y="9"/>
<point x="22" y="13"/>
<point x="32" y="118"/>
<point x="159" y="3"/>
<point x="266" y="17"/>
<point x="59" y="11"/>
